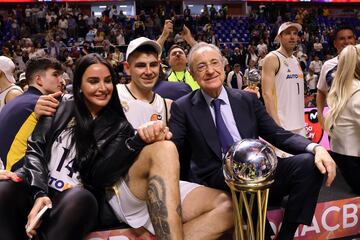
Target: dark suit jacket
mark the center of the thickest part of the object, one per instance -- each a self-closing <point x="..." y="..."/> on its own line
<point x="192" y="126"/>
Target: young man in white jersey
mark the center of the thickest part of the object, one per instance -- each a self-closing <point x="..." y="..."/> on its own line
<point x="344" y="35"/>
<point x="283" y="82"/>
<point x="138" y="100"/>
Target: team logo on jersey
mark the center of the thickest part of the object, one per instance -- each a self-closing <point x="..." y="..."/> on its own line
<point x="286" y="64"/>
<point x="125" y="106"/>
<point x="289" y="70"/>
<point x="155" y="117"/>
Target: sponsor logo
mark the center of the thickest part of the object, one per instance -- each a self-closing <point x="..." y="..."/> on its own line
<point x="155" y="117"/>
<point x="294" y="76"/>
<point x="58" y="184"/>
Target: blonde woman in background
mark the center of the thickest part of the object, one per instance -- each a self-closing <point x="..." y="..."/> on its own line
<point x="343" y="120"/>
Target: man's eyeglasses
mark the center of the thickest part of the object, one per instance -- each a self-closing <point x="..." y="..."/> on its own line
<point x="203" y="66"/>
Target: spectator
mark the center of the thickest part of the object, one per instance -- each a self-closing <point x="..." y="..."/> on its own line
<point x="311" y="80"/>
<point x="17" y="118"/>
<point x="235" y="78"/>
<point x="177" y="58"/>
<point x="316" y="65"/>
<point x="343" y="120"/>
<point x="344" y="35"/>
<point x="8" y="89"/>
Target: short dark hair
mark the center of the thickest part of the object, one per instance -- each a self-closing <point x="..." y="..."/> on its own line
<point x="40" y="64"/>
<point x="148" y="49"/>
<point x="341" y="28"/>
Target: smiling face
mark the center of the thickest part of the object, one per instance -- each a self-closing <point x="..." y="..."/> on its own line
<point x="97" y="87"/>
<point x="144" y="71"/>
<point x="343" y="38"/>
<point x="208" y="70"/>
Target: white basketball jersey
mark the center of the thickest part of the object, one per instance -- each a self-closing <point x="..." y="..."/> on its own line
<point x="139" y="111"/>
<point x="5" y="92"/>
<point x="61" y="173"/>
<point x="289" y="93"/>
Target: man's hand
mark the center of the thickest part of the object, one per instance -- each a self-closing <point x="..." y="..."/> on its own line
<point x="167" y="29"/>
<point x="254" y="90"/>
<point x="38" y="205"/>
<point x="47" y="105"/>
<point x="186" y="35"/>
<point x="154" y="131"/>
<point x="325" y="164"/>
<point x="7" y="175"/>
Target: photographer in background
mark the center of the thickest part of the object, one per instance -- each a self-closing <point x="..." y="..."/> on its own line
<point x="176" y="55"/>
<point x="172" y="27"/>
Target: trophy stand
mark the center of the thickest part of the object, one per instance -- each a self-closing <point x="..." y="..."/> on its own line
<point x="243" y="198"/>
<point x="249" y="166"/>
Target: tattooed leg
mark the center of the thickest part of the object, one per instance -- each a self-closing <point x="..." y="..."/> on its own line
<point x="157" y="207"/>
<point x="154" y="178"/>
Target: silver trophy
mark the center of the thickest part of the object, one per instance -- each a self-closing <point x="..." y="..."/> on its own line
<point x="254" y="78"/>
<point x="249" y="167"/>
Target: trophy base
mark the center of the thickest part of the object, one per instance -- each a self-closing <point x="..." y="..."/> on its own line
<point x="250" y="195"/>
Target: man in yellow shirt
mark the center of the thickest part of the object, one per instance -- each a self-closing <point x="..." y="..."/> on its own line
<point x="177" y="57"/>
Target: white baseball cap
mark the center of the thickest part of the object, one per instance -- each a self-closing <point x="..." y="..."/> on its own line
<point x="22" y="76"/>
<point x="7" y="66"/>
<point x="287" y="25"/>
<point x="141" y="41"/>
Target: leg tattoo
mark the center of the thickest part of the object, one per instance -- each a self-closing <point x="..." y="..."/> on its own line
<point x="179" y="210"/>
<point x="157" y="207"/>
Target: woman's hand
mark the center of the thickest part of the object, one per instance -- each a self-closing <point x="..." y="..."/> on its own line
<point x="7" y="175"/>
<point x="38" y="205"/>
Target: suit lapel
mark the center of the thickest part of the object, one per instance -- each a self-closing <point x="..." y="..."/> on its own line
<point x="205" y="122"/>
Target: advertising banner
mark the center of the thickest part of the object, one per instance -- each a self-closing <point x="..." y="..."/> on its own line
<point x="332" y="220"/>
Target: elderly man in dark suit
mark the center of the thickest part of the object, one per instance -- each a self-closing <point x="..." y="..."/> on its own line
<point x="209" y="120"/>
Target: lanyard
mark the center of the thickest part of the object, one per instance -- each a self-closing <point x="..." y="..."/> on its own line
<point x="183" y="79"/>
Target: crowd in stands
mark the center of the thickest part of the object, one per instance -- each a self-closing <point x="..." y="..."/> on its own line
<point x="67" y="33"/>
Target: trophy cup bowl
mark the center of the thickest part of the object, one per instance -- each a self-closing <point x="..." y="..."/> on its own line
<point x="254" y="78"/>
<point x="249" y="164"/>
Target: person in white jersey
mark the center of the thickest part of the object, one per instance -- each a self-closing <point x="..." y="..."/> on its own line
<point x="344" y="35"/>
<point x="283" y="82"/>
<point x="8" y="89"/>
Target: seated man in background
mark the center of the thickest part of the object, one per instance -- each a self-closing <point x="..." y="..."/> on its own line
<point x="210" y="120"/>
